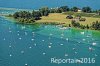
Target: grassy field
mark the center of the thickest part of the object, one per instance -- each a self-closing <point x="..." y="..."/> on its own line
<point x="55" y="17"/>
<point x="61" y="18"/>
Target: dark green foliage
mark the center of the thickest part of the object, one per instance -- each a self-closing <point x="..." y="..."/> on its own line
<point x="30" y="17"/>
<point x="75" y="24"/>
<point x="52" y="10"/>
<point x="24" y="17"/>
<point x="96" y="25"/>
<point x="82" y="26"/>
<point x="78" y="15"/>
<point x="69" y="25"/>
<point x="26" y="20"/>
<point x="82" y="19"/>
<point x="22" y="14"/>
<point x="44" y="11"/>
<point x="98" y="12"/>
<point x="27" y="17"/>
<point x="16" y="15"/>
<point x="64" y="8"/>
<point x="87" y="26"/>
<point x="69" y="17"/>
<point x="86" y="9"/>
<point x="58" y="10"/>
<point x="10" y="15"/>
<point x="75" y="9"/>
<point x="36" y="14"/>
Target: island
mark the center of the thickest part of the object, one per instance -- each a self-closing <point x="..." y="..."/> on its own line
<point x="83" y="18"/>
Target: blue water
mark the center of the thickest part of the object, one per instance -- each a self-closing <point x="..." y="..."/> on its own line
<point x="35" y="45"/>
<point x="35" y="4"/>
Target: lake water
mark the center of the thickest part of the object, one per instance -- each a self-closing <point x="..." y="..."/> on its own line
<point x="36" y="45"/>
<point x="35" y="4"/>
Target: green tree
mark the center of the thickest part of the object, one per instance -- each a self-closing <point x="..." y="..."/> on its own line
<point x="44" y="11"/>
<point x="58" y="10"/>
<point x="87" y="26"/>
<point x="16" y="15"/>
<point x="98" y="11"/>
<point x="36" y="14"/>
<point x="75" y="9"/>
<point x="82" y="26"/>
<point x="86" y="9"/>
<point x="52" y="10"/>
<point x="96" y="25"/>
<point x="64" y="8"/>
<point x="22" y="14"/>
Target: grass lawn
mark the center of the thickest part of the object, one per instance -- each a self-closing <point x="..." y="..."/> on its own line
<point x="61" y="18"/>
<point x="55" y="17"/>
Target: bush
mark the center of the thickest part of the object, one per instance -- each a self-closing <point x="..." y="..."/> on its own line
<point x="82" y="26"/>
<point x="82" y="19"/>
<point x="87" y="26"/>
<point x="69" y="17"/>
<point x="75" y="9"/>
<point x="96" y="25"/>
<point x="75" y="24"/>
<point x="86" y="9"/>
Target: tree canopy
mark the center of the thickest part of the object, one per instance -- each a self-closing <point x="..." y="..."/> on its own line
<point x="86" y="9"/>
<point x="75" y="9"/>
<point x="64" y="8"/>
<point x="44" y="11"/>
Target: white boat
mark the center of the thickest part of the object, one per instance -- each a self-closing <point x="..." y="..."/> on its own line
<point x="63" y="28"/>
<point x="82" y="32"/>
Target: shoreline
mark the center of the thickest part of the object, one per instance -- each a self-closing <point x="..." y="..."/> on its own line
<point x="47" y="23"/>
<point x="4" y="8"/>
<point x="58" y="19"/>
